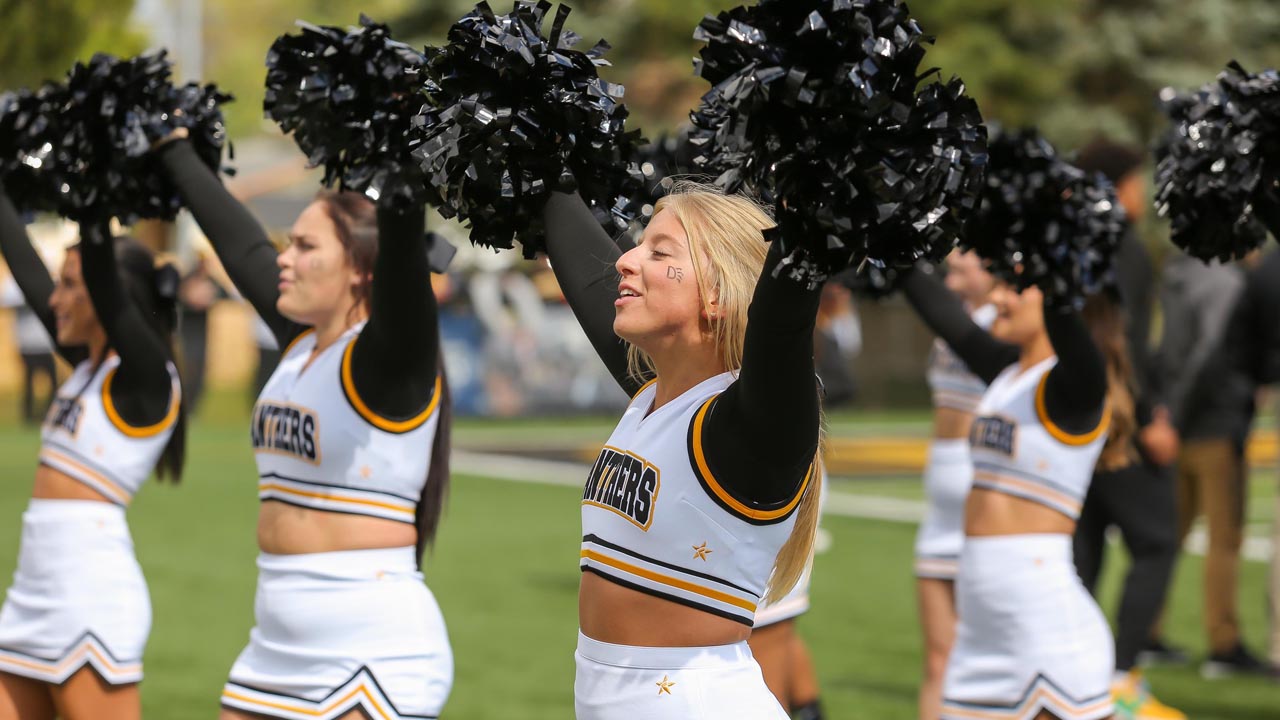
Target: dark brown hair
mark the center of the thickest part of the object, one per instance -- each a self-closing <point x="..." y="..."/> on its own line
<point x="153" y="290"/>
<point x="356" y="219"/>
<point x="1105" y="319"/>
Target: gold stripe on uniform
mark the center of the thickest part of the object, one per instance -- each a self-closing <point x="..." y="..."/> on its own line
<point x="361" y="690"/>
<point x="289" y="348"/>
<point x="393" y="426"/>
<point x="336" y="498"/>
<point x="1058" y="433"/>
<point x="133" y="431"/>
<point x="721" y="493"/>
<point x="666" y="580"/>
<point x="1013" y="712"/>
<point x="1028" y="486"/>
<point x="111" y="488"/>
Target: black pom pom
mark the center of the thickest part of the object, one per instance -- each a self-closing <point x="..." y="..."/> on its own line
<point x="81" y="148"/>
<point x="1044" y="222"/>
<point x="873" y="280"/>
<point x="1218" y="161"/>
<point x="348" y="97"/>
<point x="816" y="107"/>
<point x="517" y="114"/>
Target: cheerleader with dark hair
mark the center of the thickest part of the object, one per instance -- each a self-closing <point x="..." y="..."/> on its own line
<point x="76" y="619"/>
<point x="350" y="435"/>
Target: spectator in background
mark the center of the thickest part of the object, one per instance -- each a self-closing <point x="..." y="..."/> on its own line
<point x="837" y="341"/>
<point x="1138" y="499"/>
<point x="1211" y="402"/>
<point x="35" y="349"/>
<point x="1252" y="348"/>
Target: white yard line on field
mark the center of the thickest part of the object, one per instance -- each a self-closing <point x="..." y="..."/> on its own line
<point x="1257" y="546"/>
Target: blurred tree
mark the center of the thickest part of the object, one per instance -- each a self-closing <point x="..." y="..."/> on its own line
<point x="238" y="33"/>
<point x="40" y="40"/>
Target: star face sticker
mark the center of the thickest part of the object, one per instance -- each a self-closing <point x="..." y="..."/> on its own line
<point x="665" y="685"/>
<point x="702" y="551"/>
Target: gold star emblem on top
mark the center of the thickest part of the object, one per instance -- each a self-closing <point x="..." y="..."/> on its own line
<point x="665" y="685"/>
<point x="701" y="551"/>
<point x="365" y="472"/>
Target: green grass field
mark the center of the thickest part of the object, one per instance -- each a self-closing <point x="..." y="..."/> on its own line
<point x="505" y="572"/>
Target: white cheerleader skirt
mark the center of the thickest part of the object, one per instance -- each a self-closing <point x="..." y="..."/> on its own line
<point x="947" y="478"/>
<point x="1029" y="638"/>
<point x="621" y="682"/>
<point x="343" y="630"/>
<point x="78" y="596"/>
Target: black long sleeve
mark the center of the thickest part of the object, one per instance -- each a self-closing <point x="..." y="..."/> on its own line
<point x="760" y="435"/>
<point x="142" y="387"/>
<point x="583" y="258"/>
<point x="241" y="243"/>
<point x="395" y="358"/>
<point x="31" y="275"/>
<point x="943" y="312"/>
<point x="1075" y="392"/>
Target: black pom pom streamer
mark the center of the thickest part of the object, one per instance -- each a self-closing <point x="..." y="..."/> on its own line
<point x="516" y="115"/>
<point x="1218" y="161"/>
<point x="1044" y="222"/>
<point x="348" y="97"/>
<point x="816" y="106"/>
<point x="81" y="148"/>
<point x="873" y="280"/>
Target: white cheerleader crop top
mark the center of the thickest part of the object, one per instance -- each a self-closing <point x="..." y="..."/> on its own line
<point x="655" y="519"/>
<point x="318" y="446"/>
<point x="85" y="438"/>
<point x="1016" y="449"/>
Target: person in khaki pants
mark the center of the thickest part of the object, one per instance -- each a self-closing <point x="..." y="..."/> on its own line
<point x="1253" y="337"/>
<point x="1210" y="399"/>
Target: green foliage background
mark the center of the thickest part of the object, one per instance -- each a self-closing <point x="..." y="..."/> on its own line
<point x="1073" y="68"/>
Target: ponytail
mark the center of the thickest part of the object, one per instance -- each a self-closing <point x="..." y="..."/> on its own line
<point x="797" y="551"/>
<point x="436" y="491"/>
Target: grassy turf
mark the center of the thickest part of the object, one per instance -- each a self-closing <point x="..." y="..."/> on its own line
<point x="505" y="573"/>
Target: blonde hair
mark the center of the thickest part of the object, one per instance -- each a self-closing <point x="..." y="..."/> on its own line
<point x="727" y="246"/>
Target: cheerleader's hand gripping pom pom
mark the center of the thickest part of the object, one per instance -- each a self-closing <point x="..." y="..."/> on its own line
<point x="817" y="106"/>
<point x="348" y="97"/>
<point x="1044" y="222"/>
<point x="80" y="148"/>
<point x="515" y="115"/>
<point x="1217" y="163"/>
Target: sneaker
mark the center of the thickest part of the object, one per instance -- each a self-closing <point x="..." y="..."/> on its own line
<point x="1237" y="661"/>
<point x="1134" y="701"/>
<point x="1156" y="652"/>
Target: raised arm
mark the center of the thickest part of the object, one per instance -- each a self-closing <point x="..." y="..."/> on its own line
<point x="30" y="273"/>
<point x="759" y="436"/>
<point x="583" y="257"/>
<point x="241" y="243"/>
<point x="142" y="386"/>
<point x="1075" y="391"/>
<point x="395" y="359"/>
<point x="943" y="312"/>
